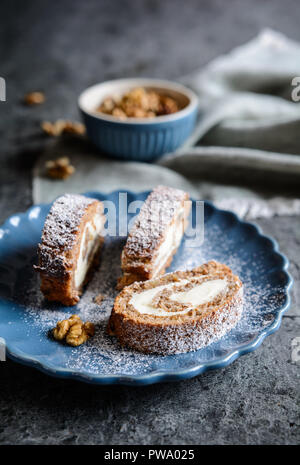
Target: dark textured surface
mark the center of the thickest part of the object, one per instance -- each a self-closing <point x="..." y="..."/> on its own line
<point x="61" y="48"/>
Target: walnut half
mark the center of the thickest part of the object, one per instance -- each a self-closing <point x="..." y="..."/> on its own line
<point x="73" y="331"/>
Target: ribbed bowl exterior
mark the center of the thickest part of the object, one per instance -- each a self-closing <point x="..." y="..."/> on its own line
<point x="142" y="141"/>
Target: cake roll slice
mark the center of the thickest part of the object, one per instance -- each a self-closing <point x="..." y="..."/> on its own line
<point x="155" y="236"/>
<point x="70" y="247"/>
<point x="178" y="312"/>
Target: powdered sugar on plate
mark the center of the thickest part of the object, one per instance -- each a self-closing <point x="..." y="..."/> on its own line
<point x="249" y="256"/>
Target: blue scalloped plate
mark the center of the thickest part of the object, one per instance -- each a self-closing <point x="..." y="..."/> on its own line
<point x="25" y="319"/>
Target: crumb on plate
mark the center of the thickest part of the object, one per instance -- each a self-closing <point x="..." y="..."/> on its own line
<point x="98" y="299"/>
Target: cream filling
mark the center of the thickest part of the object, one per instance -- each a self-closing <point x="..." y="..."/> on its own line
<point x="170" y="243"/>
<point x="93" y="228"/>
<point x="198" y="295"/>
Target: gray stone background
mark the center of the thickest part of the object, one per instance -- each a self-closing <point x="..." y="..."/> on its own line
<point x="61" y="48"/>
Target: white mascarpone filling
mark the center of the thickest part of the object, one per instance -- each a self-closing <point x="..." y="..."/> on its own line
<point x="94" y="228"/>
<point x="170" y="243"/>
<point x="198" y="295"/>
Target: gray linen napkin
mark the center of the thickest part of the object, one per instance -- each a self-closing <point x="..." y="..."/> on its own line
<point x="247" y="96"/>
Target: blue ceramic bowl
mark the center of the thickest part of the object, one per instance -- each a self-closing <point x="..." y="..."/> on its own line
<point x="137" y="138"/>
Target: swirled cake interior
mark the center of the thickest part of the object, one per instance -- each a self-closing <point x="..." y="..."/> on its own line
<point x="178" y="312"/>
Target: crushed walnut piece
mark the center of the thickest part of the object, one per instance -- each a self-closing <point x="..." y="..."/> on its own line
<point x="139" y="103"/>
<point x="62" y="126"/>
<point x="34" y="98"/>
<point x="73" y="331"/>
<point x="163" y="301"/>
<point x="60" y="168"/>
<point x="73" y="127"/>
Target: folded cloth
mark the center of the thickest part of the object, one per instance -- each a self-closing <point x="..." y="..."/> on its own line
<point x="247" y="96"/>
<point x="251" y="209"/>
<point x="96" y="173"/>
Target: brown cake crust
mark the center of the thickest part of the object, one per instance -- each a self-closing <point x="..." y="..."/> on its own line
<point x="159" y="213"/>
<point x="178" y="333"/>
<point x="59" y="249"/>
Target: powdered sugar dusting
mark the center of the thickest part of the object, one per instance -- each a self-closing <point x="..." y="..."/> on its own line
<point x="155" y="215"/>
<point x="59" y="233"/>
<point x="101" y="353"/>
<point x="263" y="295"/>
<point x="63" y="220"/>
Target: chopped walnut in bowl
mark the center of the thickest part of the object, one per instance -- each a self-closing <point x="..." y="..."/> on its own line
<point x="139" y="103"/>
